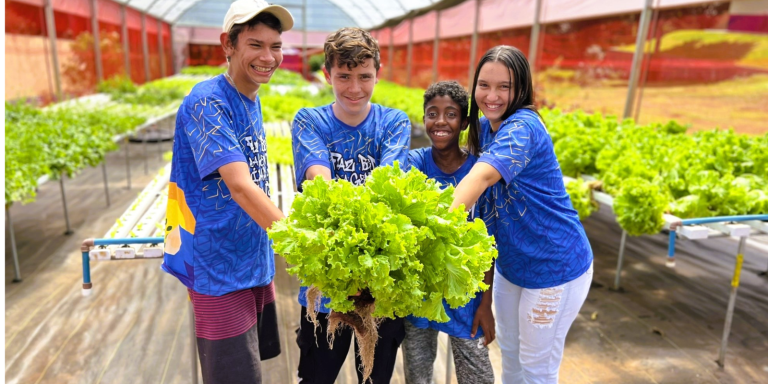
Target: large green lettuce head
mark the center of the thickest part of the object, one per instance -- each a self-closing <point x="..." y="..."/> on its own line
<point x="394" y="236"/>
<point x="341" y="242"/>
<point x="640" y="206"/>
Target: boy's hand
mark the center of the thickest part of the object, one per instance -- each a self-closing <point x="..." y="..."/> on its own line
<point x="484" y="318"/>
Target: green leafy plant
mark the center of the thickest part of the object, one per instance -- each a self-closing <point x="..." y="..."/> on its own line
<point x="639" y="207"/>
<point x="408" y="100"/>
<point x="581" y="197"/>
<point x="708" y="173"/>
<point x="316" y="62"/>
<point x="279" y="150"/>
<point x="55" y="142"/>
<point x="393" y="239"/>
<point x="203" y="70"/>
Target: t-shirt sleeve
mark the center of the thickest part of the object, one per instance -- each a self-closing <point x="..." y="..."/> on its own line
<point x="416" y="160"/>
<point x="211" y="135"/>
<point x="511" y="149"/>
<point x="486" y="211"/>
<point x="309" y="148"/>
<point x="396" y="141"/>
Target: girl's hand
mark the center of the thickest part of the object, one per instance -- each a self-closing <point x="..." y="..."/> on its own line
<point x="484" y="318"/>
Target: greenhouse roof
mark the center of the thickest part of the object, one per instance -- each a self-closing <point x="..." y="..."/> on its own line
<point x="322" y="15"/>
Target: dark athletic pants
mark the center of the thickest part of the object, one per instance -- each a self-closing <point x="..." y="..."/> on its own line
<point x="318" y="364"/>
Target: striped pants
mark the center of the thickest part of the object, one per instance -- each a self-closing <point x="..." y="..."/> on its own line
<point x="234" y="333"/>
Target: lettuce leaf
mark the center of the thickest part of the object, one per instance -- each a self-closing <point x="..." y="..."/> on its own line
<point x="394" y="236"/>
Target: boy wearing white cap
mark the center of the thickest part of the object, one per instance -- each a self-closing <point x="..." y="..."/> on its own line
<point x="218" y="201"/>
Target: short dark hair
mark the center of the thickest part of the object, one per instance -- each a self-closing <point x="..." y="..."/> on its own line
<point x="350" y="46"/>
<point x="522" y="89"/>
<point x="265" y="18"/>
<point x="452" y="89"/>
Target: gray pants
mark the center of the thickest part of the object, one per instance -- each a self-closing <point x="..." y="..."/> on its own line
<point x="473" y="365"/>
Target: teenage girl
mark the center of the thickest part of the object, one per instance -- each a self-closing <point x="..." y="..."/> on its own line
<point x="544" y="267"/>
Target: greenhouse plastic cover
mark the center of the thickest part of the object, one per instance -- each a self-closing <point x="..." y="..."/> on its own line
<point x="322" y="15"/>
<point x="329" y="15"/>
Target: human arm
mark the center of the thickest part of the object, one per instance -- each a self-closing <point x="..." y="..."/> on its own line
<point x="479" y="178"/>
<point x="318" y="170"/>
<point x="311" y="156"/>
<point x="220" y="151"/>
<point x="507" y="155"/>
<point x="248" y="195"/>
<point x="484" y="314"/>
<point x="396" y="142"/>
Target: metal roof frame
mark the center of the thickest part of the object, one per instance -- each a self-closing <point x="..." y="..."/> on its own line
<point x="328" y="14"/>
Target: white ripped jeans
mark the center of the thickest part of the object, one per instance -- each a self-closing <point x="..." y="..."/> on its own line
<point x="531" y="325"/>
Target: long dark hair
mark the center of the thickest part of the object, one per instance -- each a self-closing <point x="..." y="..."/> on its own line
<point x="522" y="86"/>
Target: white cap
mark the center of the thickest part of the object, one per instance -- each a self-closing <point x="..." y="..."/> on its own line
<point x="243" y="10"/>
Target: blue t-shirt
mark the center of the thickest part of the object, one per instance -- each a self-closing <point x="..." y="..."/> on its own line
<point x="212" y="245"/>
<point x="460" y="324"/>
<point x="540" y="239"/>
<point x="351" y="153"/>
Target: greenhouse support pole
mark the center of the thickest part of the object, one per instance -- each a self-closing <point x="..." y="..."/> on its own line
<point x="50" y="24"/>
<point x="620" y="263"/>
<point x="732" y="300"/>
<point x="96" y="40"/>
<point x="646" y="65"/>
<point x="409" y="62"/>
<point x="642" y="33"/>
<point x="145" y="46"/>
<point x="64" y="202"/>
<point x="106" y="182"/>
<point x="193" y="342"/>
<point x="436" y="48"/>
<point x="304" y="61"/>
<point x="533" y="49"/>
<point x="173" y="52"/>
<point x="126" y="47"/>
<point x="473" y="49"/>
<point x="391" y="74"/>
<point x="160" y="47"/>
<point x="16" y="269"/>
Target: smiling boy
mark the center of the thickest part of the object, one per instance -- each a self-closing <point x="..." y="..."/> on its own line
<point x="346" y="140"/>
<point x="218" y="201"/>
<point x="446" y="105"/>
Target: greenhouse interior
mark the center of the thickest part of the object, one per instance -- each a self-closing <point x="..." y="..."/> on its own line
<point x="652" y="115"/>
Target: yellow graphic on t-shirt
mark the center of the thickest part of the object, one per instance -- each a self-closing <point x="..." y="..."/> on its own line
<point x="177" y="216"/>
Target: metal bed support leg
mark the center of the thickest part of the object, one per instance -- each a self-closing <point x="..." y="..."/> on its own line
<point x="64" y="201"/>
<point x="87" y="285"/>
<point x="127" y="162"/>
<point x="159" y="142"/>
<point x="16" y="269"/>
<point x="193" y="342"/>
<point x="146" y="161"/>
<point x="732" y="301"/>
<point x="106" y="182"/>
<point x="671" y="250"/>
<point x="620" y="263"/>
